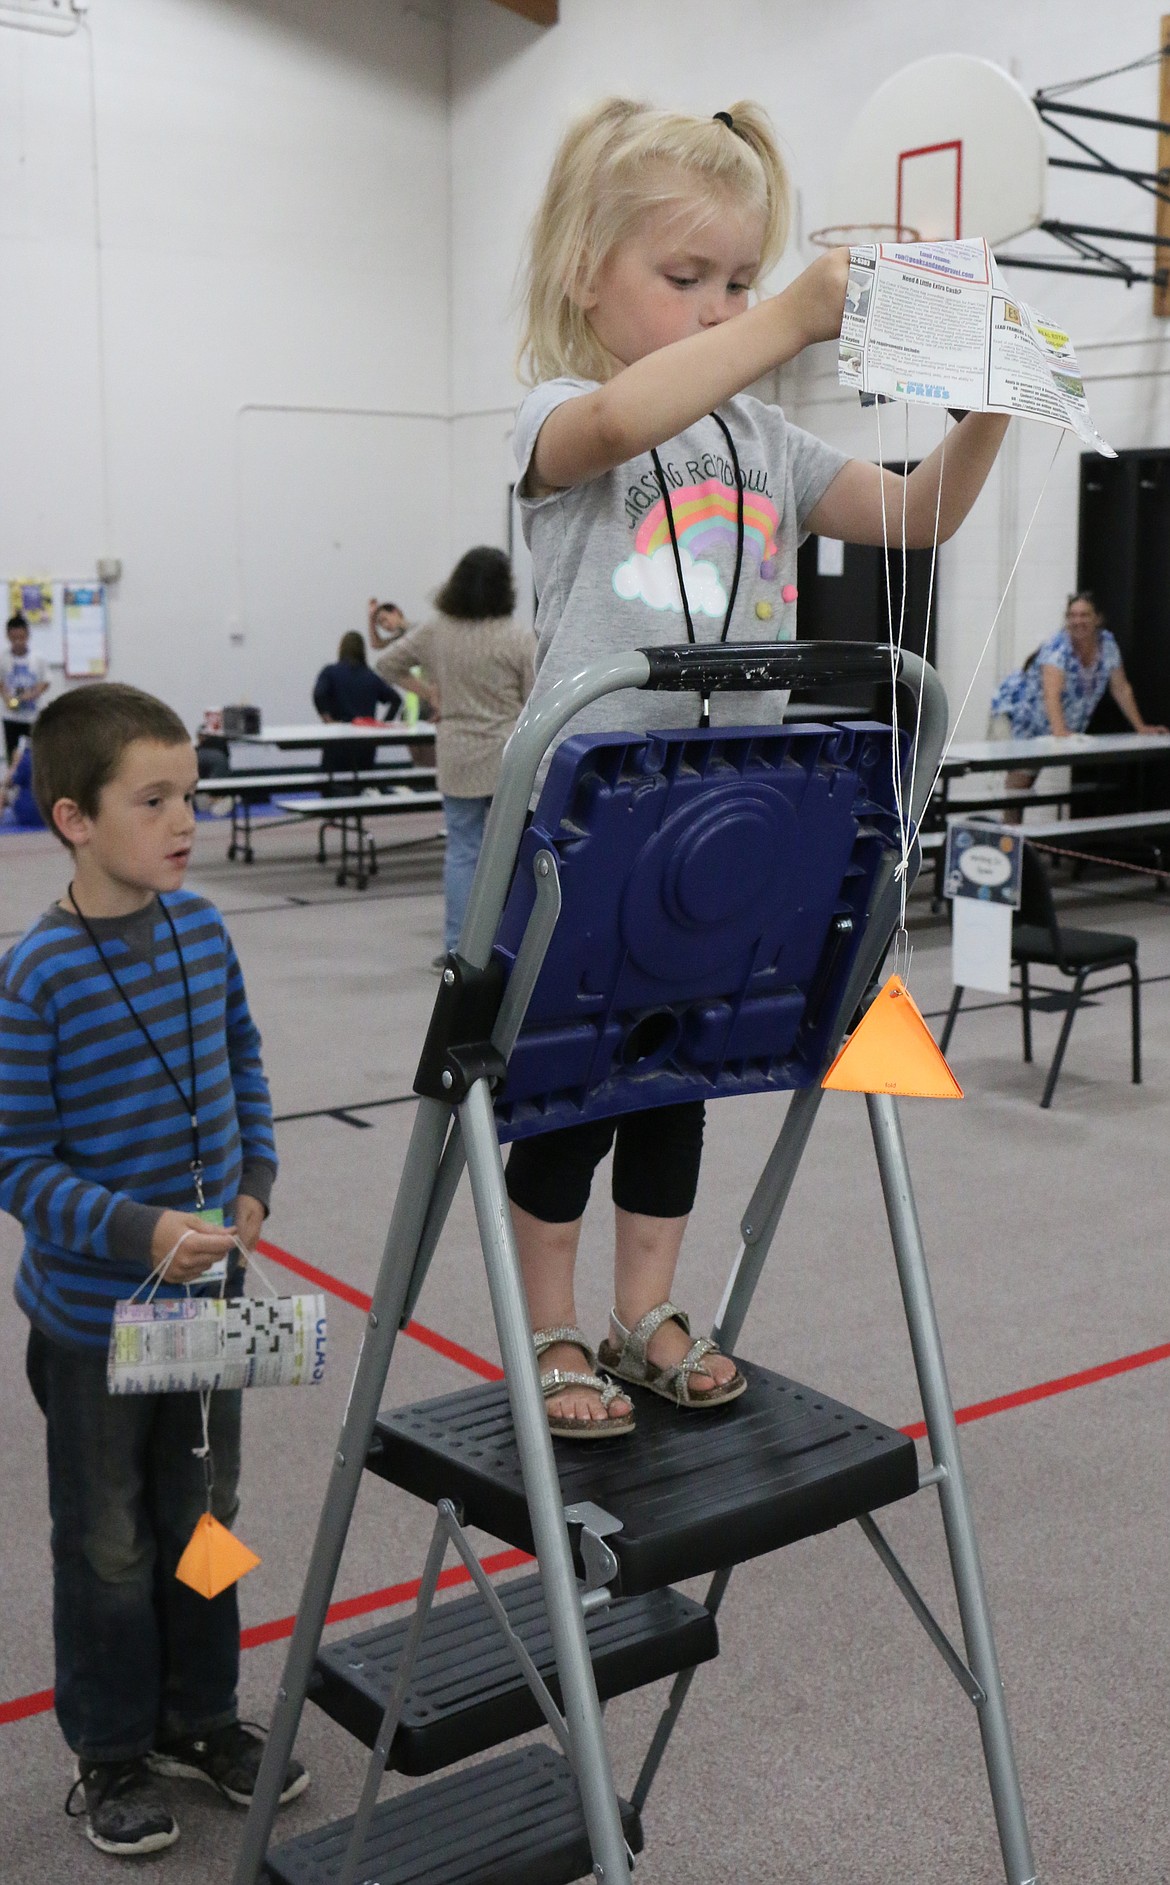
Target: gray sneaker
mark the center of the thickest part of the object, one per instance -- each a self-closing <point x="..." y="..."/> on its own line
<point x="124" y="1811"/>
<point x="227" y="1759"/>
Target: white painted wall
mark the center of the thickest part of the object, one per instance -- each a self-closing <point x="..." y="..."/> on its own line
<point x="513" y="89"/>
<point x="259" y="260"/>
<point x="223" y="338"/>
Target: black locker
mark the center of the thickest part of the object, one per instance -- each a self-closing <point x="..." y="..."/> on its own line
<point x="1123" y="557"/>
<point x="854" y="606"/>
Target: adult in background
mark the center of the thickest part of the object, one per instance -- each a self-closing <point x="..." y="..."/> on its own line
<point x="476" y="663"/>
<point x="1059" y="686"/>
<point x="22" y="682"/>
<point x="348" y="689"/>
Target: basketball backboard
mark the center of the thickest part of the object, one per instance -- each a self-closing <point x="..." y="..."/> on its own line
<point x="949" y="146"/>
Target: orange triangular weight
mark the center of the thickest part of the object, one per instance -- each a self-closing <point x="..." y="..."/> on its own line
<point x="213" y="1558"/>
<point x="892" y="1050"/>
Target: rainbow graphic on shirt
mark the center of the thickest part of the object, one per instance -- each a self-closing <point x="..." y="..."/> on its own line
<point x="704" y="518"/>
<point x="705" y="515"/>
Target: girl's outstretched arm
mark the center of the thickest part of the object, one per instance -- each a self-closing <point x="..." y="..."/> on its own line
<point x="852" y="506"/>
<point x="660" y="395"/>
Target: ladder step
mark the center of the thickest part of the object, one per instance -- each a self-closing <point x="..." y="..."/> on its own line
<point x="695" y="1491"/>
<point x="467" y="1693"/>
<point x="512" y="1821"/>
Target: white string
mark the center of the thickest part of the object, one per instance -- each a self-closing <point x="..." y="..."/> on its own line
<point x="894" y="768"/>
<point x="254" y="1269"/>
<point x="896" y="643"/>
<point x="922" y="687"/>
<point x="994" y="621"/>
<point x="204" y="1452"/>
<point x="158" y="1275"/>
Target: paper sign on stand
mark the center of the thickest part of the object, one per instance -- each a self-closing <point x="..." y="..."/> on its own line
<point x="981" y="875"/>
<point x="981" y="946"/>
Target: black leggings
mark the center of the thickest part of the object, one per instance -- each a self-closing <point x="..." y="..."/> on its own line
<point x="655" y="1165"/>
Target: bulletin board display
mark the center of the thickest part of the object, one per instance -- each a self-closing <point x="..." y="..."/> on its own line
<point x="38" y="599"/>
<point x="67" y="622"/>
<point x="85" y="631"/>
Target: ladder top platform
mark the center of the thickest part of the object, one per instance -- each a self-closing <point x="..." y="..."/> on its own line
<point x="694" y="1492"/>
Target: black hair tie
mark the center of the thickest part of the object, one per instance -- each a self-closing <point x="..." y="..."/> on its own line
<point x="724" y="117"/>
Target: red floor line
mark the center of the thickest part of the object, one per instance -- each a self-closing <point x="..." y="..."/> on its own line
<point x="430" y="1338"/>
<point x="387" y="1599"/>
<point x="26" y="1705"/>
<point x="41" y="1700"/>
<point x="1063" y="1384"/>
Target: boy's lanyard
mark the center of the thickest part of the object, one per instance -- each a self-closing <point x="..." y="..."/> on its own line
<point x="705" y="717"/>
<point x="189" y="1102"/>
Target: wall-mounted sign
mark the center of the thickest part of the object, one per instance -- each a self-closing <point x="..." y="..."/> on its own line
<point x="83" y="611"/>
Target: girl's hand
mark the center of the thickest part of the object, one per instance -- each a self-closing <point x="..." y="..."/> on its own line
<point x="820" y="295"/>
<point x="205" y="1245"/>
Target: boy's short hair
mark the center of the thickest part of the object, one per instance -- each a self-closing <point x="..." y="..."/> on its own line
<point x="78" y="741"/>
<point x="16" y="621"/>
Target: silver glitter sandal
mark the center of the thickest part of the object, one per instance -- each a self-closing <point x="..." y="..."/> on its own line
<point x="629" y="1361"/>
<point x="553" y="1380"/>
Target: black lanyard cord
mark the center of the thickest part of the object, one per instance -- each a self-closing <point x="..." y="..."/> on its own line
<point x="682" y="588"/>
<point x="739" y="535"/>
<point x="190" y="1102"/>
<point x="739" y="532"/>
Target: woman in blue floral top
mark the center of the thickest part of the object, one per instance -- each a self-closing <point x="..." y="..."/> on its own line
<point x="1059" y="686"/>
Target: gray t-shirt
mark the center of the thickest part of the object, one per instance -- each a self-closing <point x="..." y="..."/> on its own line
<point x="605" y="571"/>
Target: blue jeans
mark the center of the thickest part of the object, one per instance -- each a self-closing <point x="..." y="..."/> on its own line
<point x="139" y="1657"/>
<point x="465" y="820"/>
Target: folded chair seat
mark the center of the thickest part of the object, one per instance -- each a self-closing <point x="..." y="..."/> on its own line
<point x="1079" y="948"/>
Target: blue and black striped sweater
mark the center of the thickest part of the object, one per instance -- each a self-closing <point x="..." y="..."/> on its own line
<point x="94" y="1140"/>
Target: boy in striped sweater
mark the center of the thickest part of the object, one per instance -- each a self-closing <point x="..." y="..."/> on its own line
<point x="135" y="1127"/>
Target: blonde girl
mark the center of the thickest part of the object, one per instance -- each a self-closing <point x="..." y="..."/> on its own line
<point x="661" y="502"/>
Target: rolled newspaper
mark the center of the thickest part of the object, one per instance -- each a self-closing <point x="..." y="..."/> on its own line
<point x="180" y="1345"/>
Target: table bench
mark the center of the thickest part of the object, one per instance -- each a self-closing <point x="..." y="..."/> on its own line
<point x="1056" y="831"/>
<point x="246" y="789"/>
<point x="349" y="814"/>
<point x="1067" y="831"/>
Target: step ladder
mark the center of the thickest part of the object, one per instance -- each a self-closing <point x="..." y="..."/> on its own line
<point x="687" y="914"/>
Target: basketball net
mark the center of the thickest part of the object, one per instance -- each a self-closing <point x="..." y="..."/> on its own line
<point x="860" y="235"/>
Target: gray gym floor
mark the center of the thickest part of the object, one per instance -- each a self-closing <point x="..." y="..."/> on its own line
<point x="828" y="1742"/>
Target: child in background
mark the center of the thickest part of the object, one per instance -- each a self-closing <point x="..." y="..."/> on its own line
<point x="17" y="803"/>
<point x="134" y="1120"/>
<point x="386" y="624"/>
<point x="640" y="336"/>
<point x="22" y="682"/>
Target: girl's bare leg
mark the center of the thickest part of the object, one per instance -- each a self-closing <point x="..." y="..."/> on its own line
<point x="548" y="1258"/>
<point x="646" y="1252"/>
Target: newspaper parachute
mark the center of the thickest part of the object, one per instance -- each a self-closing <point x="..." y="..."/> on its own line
<point x="933" y="324"/>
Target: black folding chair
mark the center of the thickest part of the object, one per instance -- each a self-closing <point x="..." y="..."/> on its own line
<point x="1039" y="938"/>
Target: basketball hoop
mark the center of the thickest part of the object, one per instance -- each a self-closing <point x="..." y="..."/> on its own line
<point x="861" y="235"/>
